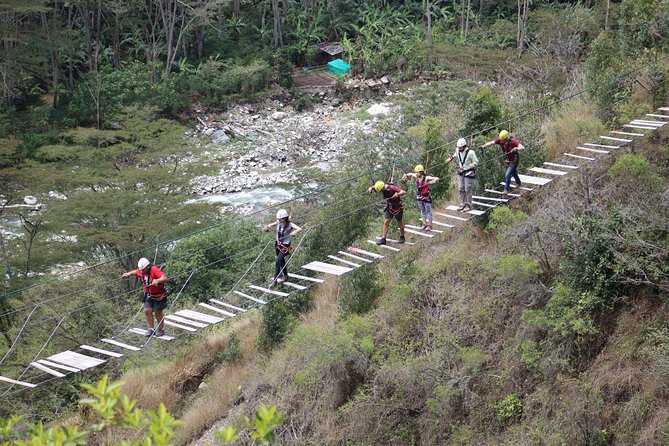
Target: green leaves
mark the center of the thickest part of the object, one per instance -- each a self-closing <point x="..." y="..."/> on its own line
<point x="262" y="427"/>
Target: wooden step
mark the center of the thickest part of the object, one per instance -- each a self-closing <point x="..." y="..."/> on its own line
<point x="389" y="248"/>
<point x="216" y="309"/>
<point x="48" y="370"/>
<point x="307" y="278"/>
<point x="366" y="253"/>
<point x="101" y="351"/>
<point x="627" y="133"/>
<point x="345" y="262"/>
<point x="20" y="383"/>
<point x="651" y="123"/>
<point x="422" y="234"/>
<point x="657" y="116"/>
<point x="143" y="332"/>
<point x="534" y="180"/>
<point x="268" y="291"/>
<point x="513" y="186"/>
<point x="588" y="149"/>
<point x="548" y="171"/>
<point x="295" y="285"/>
<point x="641" y="127"/>
<point x="663" y="109"/>
<point x="254" y="299"/>
<point x="121" y="344"/>
<point x="443" y="225"/>
<point x="493" y="191"/>
<point x="353" y="256"/>
<point x="327" y="268"/>
<point x="421" y="229"/>
<point x="499" y="200"/>
<point x="453" y="217"/>
<point x="563" y="166"/>
<point x="487" y="205"/>
<point x="392" y="240"/>
<point x="177" y="325"/>
<point x="611" y="138"/>
<point x="55" y="365"/>
<point x="227" y="305"/>
<point x="183" y="320"/>
<point x="603" y="146"/>
<point x="197" y="316"/>
<point x="587" y="158"/>
<point x="453" y="207"/>
<point x="77" y="360"/>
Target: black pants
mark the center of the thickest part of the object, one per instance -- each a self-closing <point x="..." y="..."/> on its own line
<point x="280" y="269"/>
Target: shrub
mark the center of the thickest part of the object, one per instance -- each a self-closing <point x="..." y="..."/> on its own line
<point x="482" y="111"/>
<point x="631" y="170"/>
<point x="503" y="218"/>
<point x="510" y="408"/>
<point x="359" y="290"/>
<point x="277" y="321"/>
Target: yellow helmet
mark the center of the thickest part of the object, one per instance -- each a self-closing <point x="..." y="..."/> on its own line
<point x="419" y="168"/>
<point x="503" y="135"/>
<point x="379" y="185"/>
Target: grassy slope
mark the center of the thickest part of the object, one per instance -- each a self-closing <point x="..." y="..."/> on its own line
<point x="449" y="354"/>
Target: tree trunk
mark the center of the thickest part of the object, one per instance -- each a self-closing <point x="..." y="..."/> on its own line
<point x="480" y="10"/>
<point x="606" y="17"/>
<point x="523" y="13"/>
<point x="428" y="13"/>
<point x="70" y="61"/>
<point x="238" y="8"/>
<point x="467" y="17"/>
<point x="199" y="36"/>
<point x="116" y="41"/>
<point x="278" y="36"/>
<point x="462" y="16"/>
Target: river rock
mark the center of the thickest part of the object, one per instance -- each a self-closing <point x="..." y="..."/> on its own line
<point x="29" y="199"/>
<point x="278" y="116"/>
<point x="385" y="80"/>
<point x="57" y="195"/>
<point x="219" y="137"/>
<point x="379" y="109"/>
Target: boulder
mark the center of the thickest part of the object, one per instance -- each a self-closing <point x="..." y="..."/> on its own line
<point x="219" y="137"/>
<point x="385" y="80"/>
<point x="278" y="116"/>
<point x="29" y="199"/>
<point x="379" y="109"/>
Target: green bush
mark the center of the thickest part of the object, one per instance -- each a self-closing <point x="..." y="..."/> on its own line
<point x="277" y="321"/>
<point x="510" y="408"/>
<point x="632" y="170"/>
<point x="359" y="290"/>
<point x="503" y="218"/>
<point x="482" y="111"/>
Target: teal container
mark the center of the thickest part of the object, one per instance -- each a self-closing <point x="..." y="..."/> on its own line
<point x="338" y="67"/>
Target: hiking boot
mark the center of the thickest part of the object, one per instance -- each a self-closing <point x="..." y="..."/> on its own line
<point x="160" y="332"/>
<point x="466" y="207"/>
<point x="149" y="333"/>
<point x="281" y="279"/>
<point x="424" y="228"/>
<point x="381" y="241"/>
<point x="505" y="193"/>
<point x="462" y="206"/>
<point x="428" y="228"/>
<point x="402" y="239"/>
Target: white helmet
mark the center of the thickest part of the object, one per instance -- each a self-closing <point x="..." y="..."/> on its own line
<point x="143" y="263"/>
<point x="282" y="213"/>
<point x="462" y="142"/>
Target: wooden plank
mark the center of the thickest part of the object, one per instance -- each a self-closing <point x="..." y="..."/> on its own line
<point x="49" y="370"/>
<point x="513" y="186"/>
<point x="120" y="344"/>
<point x="564" y="166"/>
<point x="99" y="350"/>
<point x="644" y="127"/>
<point x="363" y="252"/>
<point x="20" y="383"/>
<point x="615" y="132"/>
<point x="443" y="225"/>
<point x="453" y="217"/>
<point x="473" y="211"/>
<point x="141" y="331"/>
<point x="227" y="305"/>
<point x="487" y="205"/>
<point x="579" y="156"/>
<point x="603" y="146"/>
<point x="345" y="262"/>
<point x="59" y="366"/>
<point x="176" y="325"/>
<point x="533" y="180"/>
<point x="294" y="285"/>
<point x="268" y="291"/>
<point x="657" y="116"/>
<point x="646" y="122"/>
<point x="82" y="362"/>
<point x="328" y="268"/>
<point x="307" y="278"/>
<point x="353" y="256"/>
<point x="664" y="109"/>
<point x="254" y="299"/>
<point x="422" y="234"/>
<point x="420" y="228"/>
<point x="493" y="191"/>
<point x="392" y="240"/>
<point x="548" y="171"/>
<point x="389" y="248"/>
<point x="216" y="309"/>
<point x="587" y="149"/>
<point x="498" y="200"/>
<point x="208" y="318"/>
<point x="183" y="320"/>
<point x="611" y="138"/>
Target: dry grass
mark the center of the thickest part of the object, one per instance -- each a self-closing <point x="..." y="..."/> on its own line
<point x="575" y="125"/>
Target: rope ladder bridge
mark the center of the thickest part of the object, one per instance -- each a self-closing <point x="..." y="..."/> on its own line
<point x="216" y="311"/>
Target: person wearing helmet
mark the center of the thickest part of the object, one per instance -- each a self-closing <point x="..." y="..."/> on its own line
<point x="155" y="294"/>
<point x="510" y="146"/>
<point x="285" y="230"/>
<point x="423" y="196"/>
<point x="467" y="162"/>
<point x="394" y="208"/>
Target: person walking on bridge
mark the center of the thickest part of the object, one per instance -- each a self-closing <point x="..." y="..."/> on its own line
<point x="394" y="208"/>
<point x="423" y="196"/>
<point x="285" y="231"/>
<point x="511" y="148"/>
<point x="155" y="294"/>
<point x="466" y="168"/>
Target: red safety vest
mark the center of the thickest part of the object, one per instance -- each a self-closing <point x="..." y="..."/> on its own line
<point x="156" y="292"/>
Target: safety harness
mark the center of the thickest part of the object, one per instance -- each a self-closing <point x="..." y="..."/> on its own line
<point x="462" y="160"/>
<point x="147" y="279"/>
<point x="280" y="234"/>
<point x="423" y="191"/>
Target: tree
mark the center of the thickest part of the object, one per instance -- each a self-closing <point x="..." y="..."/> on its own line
<point x="276" y="11"/>
<point x="32" y="228"/>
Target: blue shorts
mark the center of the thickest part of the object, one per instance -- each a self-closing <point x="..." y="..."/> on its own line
<point x="157" y="305"/>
